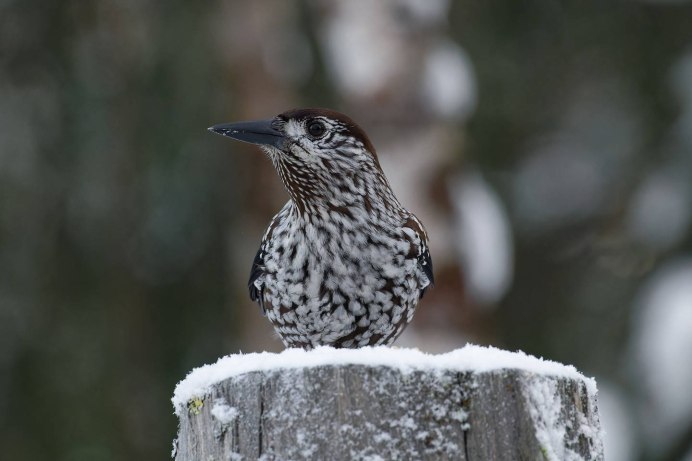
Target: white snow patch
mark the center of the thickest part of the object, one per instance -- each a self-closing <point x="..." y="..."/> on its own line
<point x="405" y="422"/>
<point x="550" y="431"/>
<point x="373" y="458"/>
<point x="449" y="84"/>
<point x="382" y="437"/>
<point x="661" y="345"/>
<point x="545" y="411"/>
<point x="461" y="416"/>
<point x="309" y="449"/>
<point x="439" y="411"/>
<point x="362" y="52"/>
<point x="224" y="413"/>
<point x="545" y="406"/>
<point x="470" y="358"/>
<point x="484" y="238"/>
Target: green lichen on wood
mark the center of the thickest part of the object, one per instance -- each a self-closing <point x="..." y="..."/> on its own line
<point x="545" y="453"/>
<point x="195" y="405"/>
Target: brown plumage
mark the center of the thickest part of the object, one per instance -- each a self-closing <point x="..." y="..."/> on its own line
<point x="342" y="263"/>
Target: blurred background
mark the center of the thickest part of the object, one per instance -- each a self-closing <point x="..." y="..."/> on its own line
<point x="546" y="145"/>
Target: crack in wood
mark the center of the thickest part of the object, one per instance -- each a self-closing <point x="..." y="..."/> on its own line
<point x="261" y="419"/>
<point x="466" y="445"/>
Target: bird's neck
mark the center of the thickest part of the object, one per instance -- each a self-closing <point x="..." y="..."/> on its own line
<point x="343" y="191"/>
<point x="348" y="199"/>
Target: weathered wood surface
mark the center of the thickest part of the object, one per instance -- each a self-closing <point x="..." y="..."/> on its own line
<point x="360" y="412"/>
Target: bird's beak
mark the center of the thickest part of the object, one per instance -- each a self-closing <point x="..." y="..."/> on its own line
<point x="255" y="132"/>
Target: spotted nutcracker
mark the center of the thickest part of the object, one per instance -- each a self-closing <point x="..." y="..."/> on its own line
<point x="343" y="263"/>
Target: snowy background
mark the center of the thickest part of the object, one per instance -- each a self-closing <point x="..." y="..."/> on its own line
<point x="546" y="145"/>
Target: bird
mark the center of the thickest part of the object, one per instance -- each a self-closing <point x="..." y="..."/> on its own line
<point x="343" y="263"/>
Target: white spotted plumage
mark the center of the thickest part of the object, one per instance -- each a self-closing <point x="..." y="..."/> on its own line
<point x="342" y="263"/>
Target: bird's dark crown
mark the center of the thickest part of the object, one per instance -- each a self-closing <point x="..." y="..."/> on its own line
<point x="343" y="121"/>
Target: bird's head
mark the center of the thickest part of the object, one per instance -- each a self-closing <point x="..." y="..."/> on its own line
<point x="322" y="156"/>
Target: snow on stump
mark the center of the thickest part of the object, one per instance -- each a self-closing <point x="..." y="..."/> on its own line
<point x="473" y="404"/>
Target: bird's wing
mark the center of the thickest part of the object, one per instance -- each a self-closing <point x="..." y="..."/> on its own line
<point x="415" y="233"/>
<point x="256" y="282"/>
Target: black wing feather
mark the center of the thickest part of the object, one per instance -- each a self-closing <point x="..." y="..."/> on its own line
<point x="257" y="270"/>
<point x="426" y="264"/>
<point x="419" y="249"/>
<point x="255" y="273"/>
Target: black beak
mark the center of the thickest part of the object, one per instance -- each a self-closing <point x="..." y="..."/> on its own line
<point x="255" y="132"/>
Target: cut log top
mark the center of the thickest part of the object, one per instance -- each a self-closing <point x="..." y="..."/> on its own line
<point x="474" y="403"/>
<point x="475" y="359"/>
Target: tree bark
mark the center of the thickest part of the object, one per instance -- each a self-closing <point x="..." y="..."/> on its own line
<point x="361" y="412"/>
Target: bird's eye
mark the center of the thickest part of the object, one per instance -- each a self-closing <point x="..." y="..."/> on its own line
<point x="316" y="129"/>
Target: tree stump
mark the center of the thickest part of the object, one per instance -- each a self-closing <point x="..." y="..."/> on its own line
<point x="379" y="404"/>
